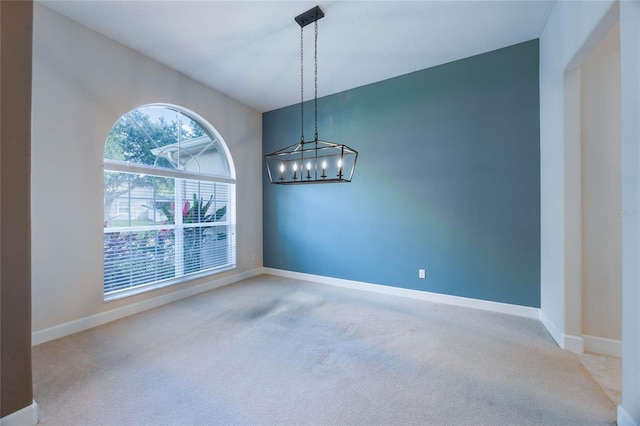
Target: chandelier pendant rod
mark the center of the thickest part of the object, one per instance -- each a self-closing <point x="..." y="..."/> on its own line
<point x="301" y="101"/>
<point x="304" y="19"/>
<point x="301" y="85"/>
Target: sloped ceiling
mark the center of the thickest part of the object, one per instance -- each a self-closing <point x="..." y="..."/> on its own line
<point x="250" y="50"/>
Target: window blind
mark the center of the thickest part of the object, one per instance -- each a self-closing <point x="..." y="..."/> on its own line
<point x="161" y="229"/>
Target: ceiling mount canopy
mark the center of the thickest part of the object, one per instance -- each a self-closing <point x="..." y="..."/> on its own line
<point x="309" y="17"/>
<point x="315" y="161"/>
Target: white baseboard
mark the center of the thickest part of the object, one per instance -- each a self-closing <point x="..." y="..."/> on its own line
<point x="91" y="321"/>
<point x="584" y="343"/>
<point x="505" y="308"/>
<point x="624" y="419"/>
<point x="602" y="346"/>
<point x="552" y="329"/>
<point x="28" y="416"/>
<point x="573" y="343"/>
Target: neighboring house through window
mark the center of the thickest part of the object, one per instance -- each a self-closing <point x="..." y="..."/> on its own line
<point x="169" y="201"/>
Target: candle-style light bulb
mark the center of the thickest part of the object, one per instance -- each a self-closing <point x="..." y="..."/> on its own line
<point x="308" y="169"/>
<point x="282" y="171"/>
<point x="340" y="168"/>
<point x="295" y="171"/>
<point x="324" y="169"/>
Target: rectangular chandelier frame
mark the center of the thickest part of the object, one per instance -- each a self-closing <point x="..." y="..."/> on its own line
<point x="311" y="162"/>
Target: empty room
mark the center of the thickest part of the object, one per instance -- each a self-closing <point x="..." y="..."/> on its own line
<point x="320" y="213"/>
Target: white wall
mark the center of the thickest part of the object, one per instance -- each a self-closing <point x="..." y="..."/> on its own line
<point x="82" y="83"/>
<point x="601" y="190"/>
<point x="573" y="30"/>
<point x="629" y="410"/>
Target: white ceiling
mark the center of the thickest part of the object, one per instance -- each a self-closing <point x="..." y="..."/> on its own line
<point x="250" y="50"/>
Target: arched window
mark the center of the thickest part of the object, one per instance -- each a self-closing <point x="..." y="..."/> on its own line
<point x="169" y="201"/>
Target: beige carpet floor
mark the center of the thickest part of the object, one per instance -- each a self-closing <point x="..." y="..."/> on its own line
<point x="273" y="351"/>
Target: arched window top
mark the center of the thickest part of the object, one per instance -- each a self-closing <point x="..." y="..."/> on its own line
<point x="168" y="137"/>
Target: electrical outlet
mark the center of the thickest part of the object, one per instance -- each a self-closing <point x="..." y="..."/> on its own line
<point x="253" y="257"/>
<point x="422" y="273"/>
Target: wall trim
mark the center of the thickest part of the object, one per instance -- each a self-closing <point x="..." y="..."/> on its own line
<point x="25" y="416"/>
<point x="485" y="305"/>
<point x="580" y="344"/>
<point x="603" y="346"/>
<point x="573" y="343"/>
<point x="552" y="329"/>
<point x="624" y="419"/>
<point x="75" y="326"/>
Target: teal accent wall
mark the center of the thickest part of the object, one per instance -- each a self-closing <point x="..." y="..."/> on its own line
<point x="448" y="180"/>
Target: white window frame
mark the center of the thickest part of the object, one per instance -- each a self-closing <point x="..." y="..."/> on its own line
<point x="181" y="176"/>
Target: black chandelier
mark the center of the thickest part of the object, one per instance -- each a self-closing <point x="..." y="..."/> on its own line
<point x="315" y="161"/>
